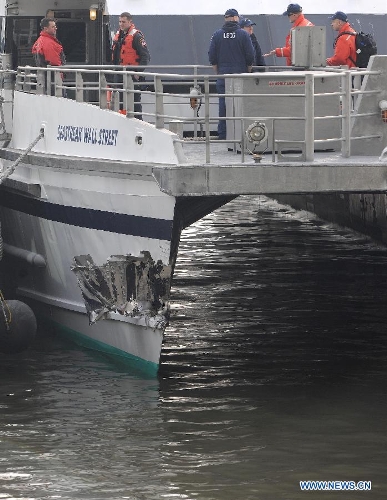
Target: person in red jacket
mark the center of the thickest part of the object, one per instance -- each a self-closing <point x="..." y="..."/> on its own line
<point x="297" y="18"/>
<point x="345" y="45"/>
<point x="47" y="50"/>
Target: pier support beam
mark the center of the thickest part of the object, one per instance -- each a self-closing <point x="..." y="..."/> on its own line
<point x="214" y="180"/>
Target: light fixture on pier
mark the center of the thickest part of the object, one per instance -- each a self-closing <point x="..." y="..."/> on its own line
<point x="256" y="133"/>
<point x="195" y="96"/>
<point x="93" y="12"/>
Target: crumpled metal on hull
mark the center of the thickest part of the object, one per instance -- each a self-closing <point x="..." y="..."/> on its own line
<point x="133" y="286"/>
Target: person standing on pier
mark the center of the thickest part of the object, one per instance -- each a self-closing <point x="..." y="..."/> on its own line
<point x="247" y="25"/>
<point x="297" y="18"/>
<point x="345" y="45"/>
<point x="231" y="51"/>
<point x="130" y="49"/>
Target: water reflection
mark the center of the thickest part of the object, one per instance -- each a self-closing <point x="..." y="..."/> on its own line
<point x="282" y="360"/>
<point x="273" y="371"/>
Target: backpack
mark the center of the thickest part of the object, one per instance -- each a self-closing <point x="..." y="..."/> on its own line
<point x="365" y="47"/>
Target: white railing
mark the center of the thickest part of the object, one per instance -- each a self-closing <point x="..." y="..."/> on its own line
<point x="167" y="98"/>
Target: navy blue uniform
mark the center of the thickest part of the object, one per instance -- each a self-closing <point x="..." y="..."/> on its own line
<point x="259" y="59"/>
<point x="231" y="51"/>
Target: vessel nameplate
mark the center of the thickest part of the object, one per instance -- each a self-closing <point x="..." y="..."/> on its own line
<point x="88" y="135"/>
<point x="293" y="83"/>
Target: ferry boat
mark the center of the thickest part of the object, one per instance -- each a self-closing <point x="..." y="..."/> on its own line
<point x="93" y="200"/>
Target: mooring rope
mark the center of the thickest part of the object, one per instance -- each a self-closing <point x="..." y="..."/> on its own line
<point x="10" y="170"/>
<point x="2" y="119"/>
<point x="5" y="306"/>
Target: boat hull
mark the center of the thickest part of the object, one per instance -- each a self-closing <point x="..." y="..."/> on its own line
<point x="90" y="237"/>
<point x="57" y="287"/>
<point x="137" y="344"/>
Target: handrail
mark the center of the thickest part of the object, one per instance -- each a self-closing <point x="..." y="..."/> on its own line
<point x="165" y="93"/>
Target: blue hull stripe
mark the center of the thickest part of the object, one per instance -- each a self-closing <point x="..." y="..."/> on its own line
<point x="134" y="225"/>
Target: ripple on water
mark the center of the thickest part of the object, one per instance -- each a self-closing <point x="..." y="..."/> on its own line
<point x="273" y="371"/>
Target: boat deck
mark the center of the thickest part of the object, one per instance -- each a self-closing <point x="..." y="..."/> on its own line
<point x="223" y="153"/>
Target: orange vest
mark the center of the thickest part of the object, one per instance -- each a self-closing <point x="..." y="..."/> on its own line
<point x="128" y="56"/>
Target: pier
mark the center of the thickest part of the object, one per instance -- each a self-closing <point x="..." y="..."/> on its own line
<point x="328" y="173"/>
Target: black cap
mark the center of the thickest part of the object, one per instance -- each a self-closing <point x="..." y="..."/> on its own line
<point x="293" y="8"/>
<point x="246" y="22"/>
<point x="339" y="15"/>
<point x="231" y="13"/>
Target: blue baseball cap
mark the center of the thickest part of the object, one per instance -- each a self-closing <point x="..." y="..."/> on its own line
<point x="293" y="8"/>
<point x="246" y="22"/>
<point x="340" y="16"/>
<point x="231" y="13"/>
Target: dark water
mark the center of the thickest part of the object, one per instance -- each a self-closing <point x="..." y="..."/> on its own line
<point x="274" y="370"/>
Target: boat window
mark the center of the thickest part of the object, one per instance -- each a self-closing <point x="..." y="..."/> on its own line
<point x="72" y="35"/>
<point x="25" y="32"/>
<point x="84" y="42"/>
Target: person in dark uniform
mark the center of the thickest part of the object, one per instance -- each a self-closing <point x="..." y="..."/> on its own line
<point x="247" y="25"/>
<point x="130" y="49"/>
<point x="231" y="51"/>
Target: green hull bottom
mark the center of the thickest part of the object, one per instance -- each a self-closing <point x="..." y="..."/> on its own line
<point x="123" y="358"/>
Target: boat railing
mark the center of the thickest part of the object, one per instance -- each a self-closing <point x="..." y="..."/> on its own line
<point x="186" y="101"/>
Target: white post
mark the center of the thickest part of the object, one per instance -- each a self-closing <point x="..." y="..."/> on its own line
<point x="309" y="116"/>
<point x="78" y="86"/>
<point x="207" y="116"/>
<point x="128" y="95"/>
<point x="346" y="84"/>
<point x="159" y="102"/>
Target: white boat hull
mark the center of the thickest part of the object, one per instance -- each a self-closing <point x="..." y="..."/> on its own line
<point x="114" y="335"/>
<point x="95" y="226"/>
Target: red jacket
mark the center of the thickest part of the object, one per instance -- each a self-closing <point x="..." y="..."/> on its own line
<point x="345" y="48"/>
<point x="287" y="50"/>
<point x="48" y="50"/>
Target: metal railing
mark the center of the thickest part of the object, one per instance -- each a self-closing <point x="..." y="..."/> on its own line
<point x="167" y="98"/>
